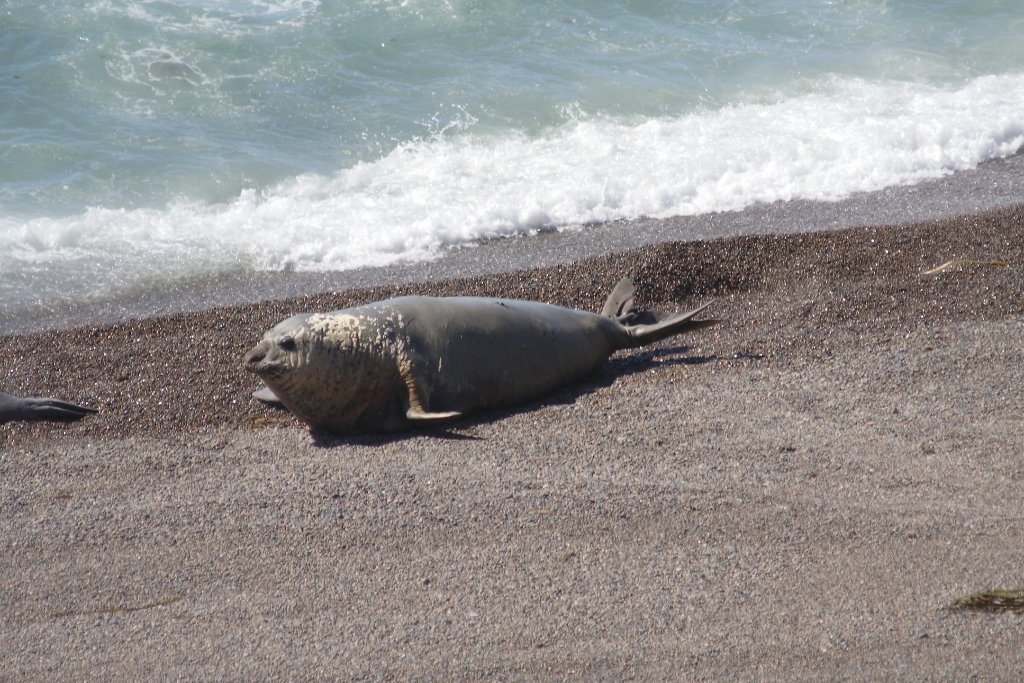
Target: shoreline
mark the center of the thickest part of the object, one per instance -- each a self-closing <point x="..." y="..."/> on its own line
<point x="799" y="493"/>
<point x="995" y="184"/>
<point x="97" y="364"/>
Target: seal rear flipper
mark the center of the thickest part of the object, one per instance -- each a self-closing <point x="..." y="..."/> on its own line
<point x="676" y="323"/>
<point x="620" y="301"/>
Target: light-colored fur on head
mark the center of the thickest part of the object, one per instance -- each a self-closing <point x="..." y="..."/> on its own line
<point x="333" y="370"/>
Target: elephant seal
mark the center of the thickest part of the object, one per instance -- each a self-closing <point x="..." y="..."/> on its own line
<point x="16" y="408"/>
<point x="422" y="360"/>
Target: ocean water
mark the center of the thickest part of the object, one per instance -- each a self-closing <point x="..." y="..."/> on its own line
<point x="145" y="142"/>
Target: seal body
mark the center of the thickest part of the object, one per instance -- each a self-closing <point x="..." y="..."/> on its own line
<point x="389" y="364"/>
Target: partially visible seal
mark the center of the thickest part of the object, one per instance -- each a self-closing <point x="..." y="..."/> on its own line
<point x="16" y="408"/>
<point x="421" y="360"/>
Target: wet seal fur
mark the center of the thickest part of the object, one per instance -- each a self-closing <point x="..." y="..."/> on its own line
<point x="423" y="360"/>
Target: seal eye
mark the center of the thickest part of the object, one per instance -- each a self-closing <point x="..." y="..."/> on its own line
<point x="287" y="343"/>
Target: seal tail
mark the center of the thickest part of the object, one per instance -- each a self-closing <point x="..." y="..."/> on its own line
<point x="647" y="327"/>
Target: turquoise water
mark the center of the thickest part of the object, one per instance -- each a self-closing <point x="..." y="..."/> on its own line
<point x="148" y="141"/>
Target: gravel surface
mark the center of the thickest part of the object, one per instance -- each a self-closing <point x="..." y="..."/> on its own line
<point x="796" y="494"/>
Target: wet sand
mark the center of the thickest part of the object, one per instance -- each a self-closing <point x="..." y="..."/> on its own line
<point x="795" y="494"/>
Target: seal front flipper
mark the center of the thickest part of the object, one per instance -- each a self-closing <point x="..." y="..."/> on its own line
<point x="267" y="395"/>
<point x="416" y="412"/>
<point x="418" y="416"/>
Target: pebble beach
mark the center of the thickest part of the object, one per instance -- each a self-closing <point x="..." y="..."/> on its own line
<point x="799" y="493"/>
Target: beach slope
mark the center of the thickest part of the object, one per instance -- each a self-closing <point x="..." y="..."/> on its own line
<point x="799" y="493"/>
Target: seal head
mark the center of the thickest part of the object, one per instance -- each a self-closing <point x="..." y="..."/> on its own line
<point x="344" y="371"/>
<point x="278" y="354"/>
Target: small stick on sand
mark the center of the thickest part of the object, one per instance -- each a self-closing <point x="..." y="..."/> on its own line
<point x="949" y="265"/>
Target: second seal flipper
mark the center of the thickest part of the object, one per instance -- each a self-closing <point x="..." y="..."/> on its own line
<point x="16" y="408"/>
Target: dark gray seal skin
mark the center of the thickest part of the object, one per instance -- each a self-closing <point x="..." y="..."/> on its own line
<point x="16" y="408"/>
<point x="422" y="360"/>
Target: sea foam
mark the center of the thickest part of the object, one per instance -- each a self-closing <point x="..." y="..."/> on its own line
<point x="463" y="186"/>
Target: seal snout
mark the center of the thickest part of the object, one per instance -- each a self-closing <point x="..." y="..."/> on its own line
<point x="251" y="361"/>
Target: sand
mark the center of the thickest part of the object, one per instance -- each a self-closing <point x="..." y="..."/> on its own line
<point x="797" y="494"/>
